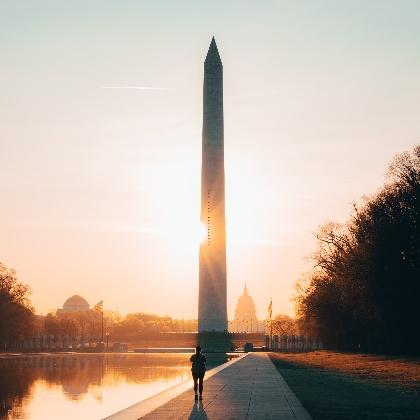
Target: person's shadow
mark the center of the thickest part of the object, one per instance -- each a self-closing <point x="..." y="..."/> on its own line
<point x="197" y="411"/>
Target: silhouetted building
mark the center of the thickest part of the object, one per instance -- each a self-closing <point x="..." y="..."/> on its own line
<point x="246" y="315"/>
<point x="212" y="301"/>
<point x="75" y="303"/>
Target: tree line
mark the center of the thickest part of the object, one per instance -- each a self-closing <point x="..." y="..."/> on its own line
<point x="120" y="327"/>
<point x="18" y="319"/>
<point x="363" y="291"/>
<point x="17" y="315"/>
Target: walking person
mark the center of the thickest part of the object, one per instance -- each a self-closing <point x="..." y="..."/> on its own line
<point x="198" y="370"/>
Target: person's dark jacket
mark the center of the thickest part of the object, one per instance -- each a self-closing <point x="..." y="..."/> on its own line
<point x="198" y="364"/>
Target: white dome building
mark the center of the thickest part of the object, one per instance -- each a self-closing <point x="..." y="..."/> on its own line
<point x="75" y="303"/>
<point x="245" y="314"/>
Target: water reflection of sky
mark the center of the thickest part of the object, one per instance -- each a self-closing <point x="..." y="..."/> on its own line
<point x="88" y="386"/>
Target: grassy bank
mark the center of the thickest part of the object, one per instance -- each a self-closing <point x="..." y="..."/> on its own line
<point x="352" y="386"/>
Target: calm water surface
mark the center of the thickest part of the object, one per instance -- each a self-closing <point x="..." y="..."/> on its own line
<point x="86" y="386"/>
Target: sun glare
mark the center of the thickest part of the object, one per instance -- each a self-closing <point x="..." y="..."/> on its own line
<point x="176" y="211"/>
<point x="188" y="235"/>
<point x="201" y="233"/>
<point x="174" y="200"/>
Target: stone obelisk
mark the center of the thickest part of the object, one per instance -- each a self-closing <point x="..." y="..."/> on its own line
<point x="212" y="305"/>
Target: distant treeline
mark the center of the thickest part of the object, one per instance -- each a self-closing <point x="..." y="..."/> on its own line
<point x="18" y="320"/>
<point x="364" y="290"/>
<point x="130" y="327"/>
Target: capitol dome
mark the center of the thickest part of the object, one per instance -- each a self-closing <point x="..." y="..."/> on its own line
<point x="245" y="313"/>
<point x="75" y="304"/>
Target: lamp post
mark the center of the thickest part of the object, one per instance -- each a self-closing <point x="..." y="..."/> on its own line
<point x="102" y="329"/>
<point x="107" y="339"/>
<point x="270" y="313"/>
<point x="100" y="307"/>
<point x="271" y="333"/>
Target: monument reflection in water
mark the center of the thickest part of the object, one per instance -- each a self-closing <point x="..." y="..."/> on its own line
<point x="86" y="386"/>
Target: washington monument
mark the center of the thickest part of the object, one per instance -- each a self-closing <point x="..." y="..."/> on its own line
<point x="212" y="306"/>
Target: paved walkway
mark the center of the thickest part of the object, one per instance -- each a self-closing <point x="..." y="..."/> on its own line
<point x="249" y="389"/>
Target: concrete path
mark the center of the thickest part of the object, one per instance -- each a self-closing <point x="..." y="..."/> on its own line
<point x="251" y="388"/>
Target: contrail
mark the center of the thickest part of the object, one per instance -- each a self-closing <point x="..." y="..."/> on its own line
<point x="132" y="87"/>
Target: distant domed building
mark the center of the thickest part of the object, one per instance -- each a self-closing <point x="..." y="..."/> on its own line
<point x="245" y="315"/>
<point x="75" y="304"/>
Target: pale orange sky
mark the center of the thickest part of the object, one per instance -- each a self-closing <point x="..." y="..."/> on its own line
<point x="100" y="182"/>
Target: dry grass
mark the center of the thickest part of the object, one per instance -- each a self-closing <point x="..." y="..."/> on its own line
<point x="403" y="373"/>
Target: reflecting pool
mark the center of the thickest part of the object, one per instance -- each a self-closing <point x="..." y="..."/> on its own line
<point x="86" y="386"/>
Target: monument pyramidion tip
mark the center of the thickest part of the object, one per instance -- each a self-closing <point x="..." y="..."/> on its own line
<point x="213" y="55"/>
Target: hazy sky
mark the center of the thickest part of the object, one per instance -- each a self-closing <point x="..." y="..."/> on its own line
<point x="100" y="183"/>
